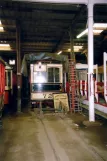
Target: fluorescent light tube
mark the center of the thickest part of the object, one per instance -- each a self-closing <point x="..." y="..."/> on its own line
<point x="4" y="45"/>
<point x="76" y="48"/>
<point x="82" y="33"/>
<point x="100" y="25"/>
<point x="1" y="28"/>
<point x="59" y="52"/>
<point x="95" y="31"/>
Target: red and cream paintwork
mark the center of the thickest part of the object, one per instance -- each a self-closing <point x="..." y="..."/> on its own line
<point x="39" y="67"/>
<point x="8" y="84"/>
<point x="2" y="82"/>
<point x="100" y="85"/>
<point x="2" y="87"/>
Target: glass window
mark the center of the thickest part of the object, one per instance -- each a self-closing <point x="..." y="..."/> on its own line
<point x="56" y="73"/>
<point x="53" y="75"/>
<point x="9" y="78"/>
<point x="50" y="75"/>
<point x="40" y="77"/>
<point x="5" y="78"/>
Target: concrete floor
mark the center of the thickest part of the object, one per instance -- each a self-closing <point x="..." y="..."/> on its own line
<point x="29" y="137"/>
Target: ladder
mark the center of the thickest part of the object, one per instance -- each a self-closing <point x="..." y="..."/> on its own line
<point x="74" y="91"/>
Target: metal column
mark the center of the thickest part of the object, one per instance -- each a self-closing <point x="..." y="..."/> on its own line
<point x="18" y="67"/>
<point x="90" y="62"/>
<point x="71" y="44"/>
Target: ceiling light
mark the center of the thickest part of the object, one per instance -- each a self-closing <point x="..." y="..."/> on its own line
<point x="1" y="28"/>
<point x="59" y="52"/>
<point x="76" y="48"/>
<point x="82" y="33"/>
<point x="98" y="28"/>
<point x="100" y="25"/>
<point x="95" y="31"/>
<point x="69" y="50"/>
<point x="12" y="62"/>
<point x="5" y="47"/>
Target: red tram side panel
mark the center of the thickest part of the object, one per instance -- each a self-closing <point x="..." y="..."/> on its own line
<point x="2" y="87"/>
<point x="2" y="83"/>
<point x="8" y="84"/>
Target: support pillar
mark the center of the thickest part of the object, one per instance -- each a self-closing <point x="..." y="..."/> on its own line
<point x="18" y="67"/>
<point x="90" y="62"/>
<point x="71" y="44"/>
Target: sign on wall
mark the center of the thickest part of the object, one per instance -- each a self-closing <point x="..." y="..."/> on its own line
<point x="61" y="102"/>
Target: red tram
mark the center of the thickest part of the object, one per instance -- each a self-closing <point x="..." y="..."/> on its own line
<point x="8" y="84"/>
<point x="2" y="87"/>
<point x="5" y="86"/>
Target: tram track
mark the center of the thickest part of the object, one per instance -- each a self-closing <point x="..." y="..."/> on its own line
<point x="51" y="146"/>
<point x="49" y="140"/>
<point x="59" y="154"/>
<point x="91" y="149"/>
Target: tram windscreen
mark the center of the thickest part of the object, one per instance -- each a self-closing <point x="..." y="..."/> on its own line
<point x="40" y="77"/>
<point x="45" y="87"/>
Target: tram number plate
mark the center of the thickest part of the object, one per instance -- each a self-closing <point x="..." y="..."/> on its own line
<point x="44" y="96"/>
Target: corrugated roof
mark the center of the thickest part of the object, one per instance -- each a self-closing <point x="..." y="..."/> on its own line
<point x="45" y="27"/>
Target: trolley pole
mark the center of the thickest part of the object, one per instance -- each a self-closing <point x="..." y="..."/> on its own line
<point x="18" y="67"/>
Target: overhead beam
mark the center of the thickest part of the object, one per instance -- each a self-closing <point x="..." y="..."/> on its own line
<point x="38" y="10"/>
<point x="6" y="25"/>
<point x="67" y="1"/>
<point x="35" y="19"/>
<point x="58" y="1"/>
<point x="59" y="43"/>
<point x="99" y="1"/>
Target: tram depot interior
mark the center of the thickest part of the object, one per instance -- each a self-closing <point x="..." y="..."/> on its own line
<point x="44" y="90"/>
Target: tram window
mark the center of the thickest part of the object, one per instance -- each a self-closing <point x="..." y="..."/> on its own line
<point x="56" y="74"/>
<point x="9" y="78"/>
<point x="40" y="77"/>
<point x="6" y="78"/>
<point x="102" y="77"/>
<point x="53" y="75"/>
<point x="50" y="75"/>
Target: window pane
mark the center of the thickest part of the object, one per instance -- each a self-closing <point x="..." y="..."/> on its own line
<point x="5" y="78"/>
<point x="9" y="78"/>
<point x="40" y="77"/>
<point x="56" y="73"/>
<point x="50" y="75"/>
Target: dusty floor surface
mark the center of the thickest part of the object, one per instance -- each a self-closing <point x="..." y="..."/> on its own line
<point x="29" y="137"/>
